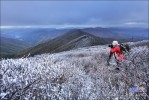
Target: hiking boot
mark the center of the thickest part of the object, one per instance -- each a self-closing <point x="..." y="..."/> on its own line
<point x="108" y="63"/>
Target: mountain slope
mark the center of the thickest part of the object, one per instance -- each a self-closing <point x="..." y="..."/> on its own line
<point x="80" y="74"/>
<point x="71" y="40"/>
<point x="11" y="46"/>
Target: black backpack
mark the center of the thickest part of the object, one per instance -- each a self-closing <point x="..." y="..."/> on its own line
<point x="124" y="48"/>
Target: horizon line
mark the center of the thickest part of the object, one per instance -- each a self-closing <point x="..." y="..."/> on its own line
<point x="49" y="26"/>
<point x="62" y="26"/>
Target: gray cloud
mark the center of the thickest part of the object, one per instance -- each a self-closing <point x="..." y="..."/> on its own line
<point x="73" y="12"/>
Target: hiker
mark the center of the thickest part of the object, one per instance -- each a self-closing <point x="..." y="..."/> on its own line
<point x="116" y="51"/>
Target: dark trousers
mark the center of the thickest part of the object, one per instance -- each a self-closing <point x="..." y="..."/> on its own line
<point x="111" y="54"/>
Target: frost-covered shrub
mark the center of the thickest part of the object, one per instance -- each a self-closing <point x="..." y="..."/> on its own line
<point x="78" y="74"/>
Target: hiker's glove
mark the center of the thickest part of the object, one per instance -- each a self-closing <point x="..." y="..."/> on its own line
<point x="111" y="46"/>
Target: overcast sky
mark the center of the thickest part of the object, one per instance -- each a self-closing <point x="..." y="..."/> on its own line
<point x="74" y="13"/>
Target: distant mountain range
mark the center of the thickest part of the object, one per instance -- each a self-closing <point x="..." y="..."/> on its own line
<point x="68" y="41"/>
<point x="45" y="40"/>
<point x="36" y="36"/>
<point x="33" y="36"/>
<point x="103" y="32"/>
<point x="134" y="33"/>
<point x="10" y="47"/>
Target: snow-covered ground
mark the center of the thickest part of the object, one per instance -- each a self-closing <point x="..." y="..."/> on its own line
<point x="80" y="74"/>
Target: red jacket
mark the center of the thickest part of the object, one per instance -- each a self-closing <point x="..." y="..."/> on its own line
<point x="117" y="51"/>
